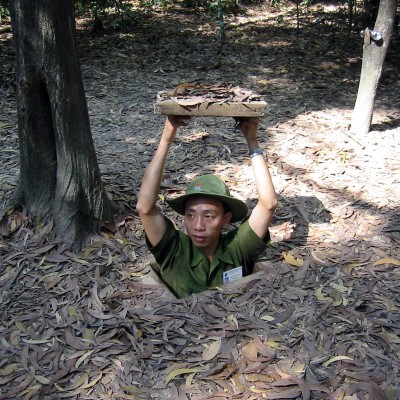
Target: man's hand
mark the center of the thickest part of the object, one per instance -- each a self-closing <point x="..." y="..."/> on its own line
<point x="172" y="123"/>
<point x="249" y="127"/>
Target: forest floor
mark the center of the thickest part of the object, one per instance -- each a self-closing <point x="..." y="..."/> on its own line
<point x="321" y="320"/>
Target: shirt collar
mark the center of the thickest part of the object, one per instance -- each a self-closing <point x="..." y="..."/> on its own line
<point x="197" y="257"/>
<point x="220" y="255"/>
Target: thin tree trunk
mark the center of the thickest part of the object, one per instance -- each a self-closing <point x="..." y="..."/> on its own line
<point x="374" y="53"/>
<point x="59" y="174"/>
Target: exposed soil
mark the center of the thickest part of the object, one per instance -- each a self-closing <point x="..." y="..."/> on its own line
<point x="321" y="321"/>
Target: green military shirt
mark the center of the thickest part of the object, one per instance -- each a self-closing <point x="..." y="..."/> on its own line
<point x="186" y="270"/>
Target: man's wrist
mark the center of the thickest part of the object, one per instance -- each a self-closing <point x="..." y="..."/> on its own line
<point x="256" y="152"/>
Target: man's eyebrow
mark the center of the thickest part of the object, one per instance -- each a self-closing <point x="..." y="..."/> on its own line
<point x="203" y="210"/>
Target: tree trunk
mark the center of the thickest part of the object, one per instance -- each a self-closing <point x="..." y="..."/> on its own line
<point x="59" y="174"/>
<point x="374" y="53"/>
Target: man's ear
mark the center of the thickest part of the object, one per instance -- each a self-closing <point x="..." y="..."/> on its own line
<point x="227" y="218"/>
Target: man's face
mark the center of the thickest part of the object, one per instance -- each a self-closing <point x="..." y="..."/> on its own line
<point x="205" y="218"/>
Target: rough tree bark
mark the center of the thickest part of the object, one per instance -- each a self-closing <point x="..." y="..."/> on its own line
<point x="374" y="53"/>
<point x="59" y="173"/>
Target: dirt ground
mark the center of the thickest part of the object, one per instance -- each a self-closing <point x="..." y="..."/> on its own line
<point x="321" y="318"/>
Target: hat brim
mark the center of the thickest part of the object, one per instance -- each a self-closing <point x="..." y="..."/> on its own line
<point x="238" y="208"/>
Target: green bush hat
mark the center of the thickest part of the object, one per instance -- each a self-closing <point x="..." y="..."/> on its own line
<point x="210" y="186"/>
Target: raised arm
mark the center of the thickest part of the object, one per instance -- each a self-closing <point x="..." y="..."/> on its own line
<point x="262" y="213"/>
<point x="153" y="221"/>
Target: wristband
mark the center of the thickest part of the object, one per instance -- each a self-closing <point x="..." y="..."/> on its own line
<point x="255" y="152"/>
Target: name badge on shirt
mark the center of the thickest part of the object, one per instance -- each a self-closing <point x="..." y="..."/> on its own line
<point x="233" y="275"/>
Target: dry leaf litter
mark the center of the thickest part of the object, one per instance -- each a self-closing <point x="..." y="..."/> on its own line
<point x="320" y="320"/>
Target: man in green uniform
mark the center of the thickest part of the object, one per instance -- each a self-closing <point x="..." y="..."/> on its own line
<point x="204" y="257"/>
